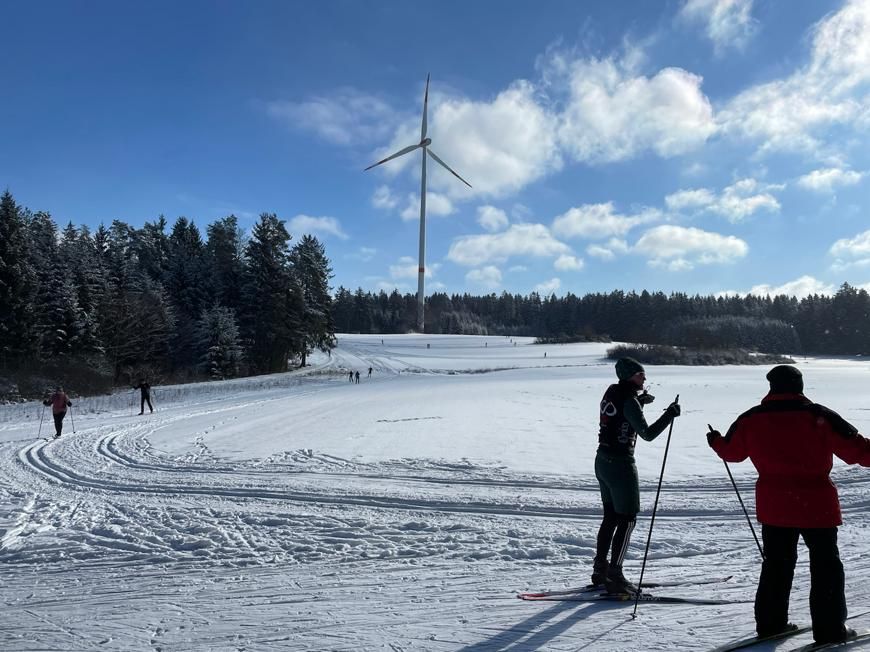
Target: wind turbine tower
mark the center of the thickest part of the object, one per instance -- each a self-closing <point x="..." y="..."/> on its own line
<point x="424" y="144"/>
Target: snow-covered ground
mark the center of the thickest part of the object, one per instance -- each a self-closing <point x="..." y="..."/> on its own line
<point x="303" y="512"/>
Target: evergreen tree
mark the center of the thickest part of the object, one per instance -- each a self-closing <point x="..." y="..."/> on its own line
<point x="153" y="249"/>
<point x="312" y="273"/>
<point x="17" y="285"/>
<point x="185" y="284"/>
<point x="218" y="339"/>
<point x="225" y="261"/>
<point x="342" y="310"/>
<point x="273" y="307"/>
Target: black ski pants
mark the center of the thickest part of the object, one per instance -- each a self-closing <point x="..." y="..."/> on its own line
<point x="614" y="535"/>
<point x="145" y="397"/>
<point x="58" y="422"/>
<point x="827" y="590"/>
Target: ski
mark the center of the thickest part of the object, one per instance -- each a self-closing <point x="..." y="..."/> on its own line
<point x="623" y="597"/>
<point x="599" y="587"/>
<point x="813" y="647"/>
<point x="752" y="640"/>
<point x="749" y="641"/>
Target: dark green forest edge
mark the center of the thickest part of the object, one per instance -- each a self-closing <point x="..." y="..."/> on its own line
<point x="103" y="308"/>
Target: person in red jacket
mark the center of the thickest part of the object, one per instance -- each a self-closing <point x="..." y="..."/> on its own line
<point x="59" y="402"/>
<point x="792" y="441"/>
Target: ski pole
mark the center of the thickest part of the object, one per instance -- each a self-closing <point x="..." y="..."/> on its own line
<point x="745" y="513"/>
<point x="41" y="417"/>
<point x="653" y="519"/>
<point x="72" y="420"/>
<point x="132" y="401"/>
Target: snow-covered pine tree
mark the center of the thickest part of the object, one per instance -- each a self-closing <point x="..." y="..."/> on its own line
<point x="224" y="253"/>
<point x="273" y="301"/>
<point x="218" y="343"/>
<point x="312" y="271"/>
<point x="78" y="253"/>
<point x="135" y="316"/>
<point x="185" y="283"/>
<point x="152" y="248"/>
<point x="17" y="285"/>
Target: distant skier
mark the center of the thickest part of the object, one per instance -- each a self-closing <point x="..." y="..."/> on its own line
<point x="356" y="376"/>
<point x="791" y="442"/>
<point x="145" y="390"/>
<point x="621" y="421"/>
<point x="370" y="372"/>
<point x="59" y="402"/>
<point x="350" y="376"/>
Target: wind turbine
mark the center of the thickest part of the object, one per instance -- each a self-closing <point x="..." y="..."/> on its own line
<point x="424" y="145"/>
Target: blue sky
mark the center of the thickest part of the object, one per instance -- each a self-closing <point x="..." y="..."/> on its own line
<point x="687" y="145"/>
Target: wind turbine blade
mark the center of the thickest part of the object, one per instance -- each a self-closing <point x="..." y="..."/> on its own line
<point x="425" y="111"/>
<point x="401" y="152"/>
<point x="446" y="167"/>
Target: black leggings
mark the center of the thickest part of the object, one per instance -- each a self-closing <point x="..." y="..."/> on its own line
<point x="827" y="592"/>
<point x="614" y="534"/>
<point x="58" y="422"/>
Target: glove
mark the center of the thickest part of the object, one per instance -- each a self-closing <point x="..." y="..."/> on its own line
<point x="712" y="435"/>
<point x="645" y="398"/>
<point x="673" y="410"/>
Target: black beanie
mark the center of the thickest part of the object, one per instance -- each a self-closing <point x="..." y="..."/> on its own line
<point x="785" y="379"/>
<point x="627" y="367"/>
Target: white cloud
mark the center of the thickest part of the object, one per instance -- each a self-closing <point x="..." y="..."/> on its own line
<point x="518" y="240"/>
<point x="521" y="212"/>
<point x="305" y="224"/>
<point x="681" y="248"/>
<point x="491" y="218"/>
<point x="826" y="180"/>
<point x="690" y="199"/>
<point x="800" y="288"/>
<point x="547" y="288"/>
<point x="566" y="263"/>
<point x="743" y="198"/>
<point x="608" y="251"/>
<point x="488" y="277"/>
<point x="384" y="198"/>
<point x="736" y="202"/>
<point x="793" y="113"/>
<point x="851" y="252"/>
<point x="595" y="221"/>
<point x="345" y="117"/>
<point x="728" y="23"/>
<point x="407" y="267"/>
<point x="436" y="205"/>
<point x="498" y="146"/>
<point x="613" y="114"/>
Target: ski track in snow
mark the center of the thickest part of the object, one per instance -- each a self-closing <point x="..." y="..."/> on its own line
<point x="109" y="542"/>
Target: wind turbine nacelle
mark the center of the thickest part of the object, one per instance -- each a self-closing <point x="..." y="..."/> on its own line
<point x="425" y="142"/>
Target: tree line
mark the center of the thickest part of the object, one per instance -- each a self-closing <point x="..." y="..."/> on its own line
<point x="124" y="303"/>
<point x="817" y="324"/>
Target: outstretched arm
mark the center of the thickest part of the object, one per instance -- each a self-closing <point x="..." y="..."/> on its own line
<point x="733" y="447"/>
<point x="648" y="432"/>
<point x="846" y="443"/>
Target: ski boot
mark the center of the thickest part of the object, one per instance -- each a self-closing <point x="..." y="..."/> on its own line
<point x="617" y="583"/>
<point x="776" y="631"/>
<point x="599" y="571"/>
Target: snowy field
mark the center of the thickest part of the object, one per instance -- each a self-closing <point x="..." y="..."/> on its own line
<point x="303" y="512"/>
